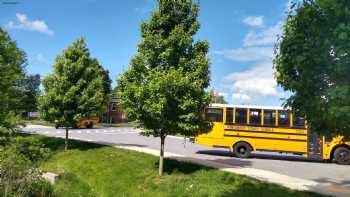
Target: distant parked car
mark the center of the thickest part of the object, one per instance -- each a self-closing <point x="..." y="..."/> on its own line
<point x="83" y="123"/>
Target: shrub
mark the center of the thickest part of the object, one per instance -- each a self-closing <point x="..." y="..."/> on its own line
<point x="4" y="136"/>
<point x="31" y="148"/>
<point x="20" y="177"/>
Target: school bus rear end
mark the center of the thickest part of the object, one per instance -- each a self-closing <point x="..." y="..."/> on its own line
<point x="87" y="122"/>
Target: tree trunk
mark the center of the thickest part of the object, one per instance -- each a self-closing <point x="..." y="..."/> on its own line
<point x="161" y="157"/>
<point x="66" y="140"/>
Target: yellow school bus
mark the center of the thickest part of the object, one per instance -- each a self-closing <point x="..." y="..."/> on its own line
<point x="82" y="123"/>
<point x="243" y="129"/>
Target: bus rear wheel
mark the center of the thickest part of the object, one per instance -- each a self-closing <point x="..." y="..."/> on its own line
<point x="242" y="150"/>
<point x="342" y="155"/>
<point x="90" y="125"/>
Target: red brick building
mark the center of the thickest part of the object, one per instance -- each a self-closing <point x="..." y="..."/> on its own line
<point x="114" y="113"/>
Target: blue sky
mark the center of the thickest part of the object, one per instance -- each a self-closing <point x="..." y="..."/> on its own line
<point x="241" y="36"/>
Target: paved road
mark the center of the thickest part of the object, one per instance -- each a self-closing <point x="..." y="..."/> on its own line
<point x="331" y="177"/>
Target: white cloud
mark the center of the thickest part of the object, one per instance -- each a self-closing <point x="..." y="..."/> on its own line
<point x="23" y="22"/>
<point x="254" y="21"/>
<point x="38" y="59"/>
<point x="255" y="82"/>
<point x="258" y="81"/>
<point x="224" y="94"/>
<point x="219" y="93"/>
<point x="240" y="96"/>
<point x="247" y="54"/>
<point x="267" y="36"/>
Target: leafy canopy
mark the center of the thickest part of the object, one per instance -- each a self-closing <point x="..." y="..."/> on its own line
<point x="12" y="63"/>
<point x="313" y="62"/>
<point x="31" y="87"/>
<point x="164" y="87"/>
<point x="76" y="89"/>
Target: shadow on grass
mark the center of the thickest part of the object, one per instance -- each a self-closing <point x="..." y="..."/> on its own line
<point x="173" y="166"/>
<point x="119" y="144"/>
<point x="57" y="144"/>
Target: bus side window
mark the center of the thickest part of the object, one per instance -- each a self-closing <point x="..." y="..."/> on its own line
<point x="229" y="115"/>
<point x="255" y="116"/>
<point x="283" y="118"/>
<point x="299" y="122"/>
<point x="241" y="116"/>
<point x="214" y="114"/>
<point x="269" y="118"/>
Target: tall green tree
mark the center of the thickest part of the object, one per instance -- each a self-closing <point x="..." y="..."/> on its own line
<point x="76" y="89"/>
<point x="12" y="63"/>
<point x="31" y="87"/>
<point x="313" y="62"/>
<point x="164" y="87"/>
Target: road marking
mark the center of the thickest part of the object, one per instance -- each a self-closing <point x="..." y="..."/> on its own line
<point x="87" y="131"/>
<point x="97" y="131"/>
<point x="79" y="131"/>
<point x="58" y="132"/>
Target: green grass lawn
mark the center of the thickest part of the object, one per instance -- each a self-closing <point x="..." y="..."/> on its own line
<point x="125" y="124"/>
<point x="96" y="170"/>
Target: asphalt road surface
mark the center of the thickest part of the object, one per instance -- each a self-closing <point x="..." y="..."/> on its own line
<point x="333" y="178"/>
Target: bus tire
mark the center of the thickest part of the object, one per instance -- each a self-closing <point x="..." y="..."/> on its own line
<point x="342" y="155"/>
<point x="90" y="126"/>
<point x="242" y="150"/>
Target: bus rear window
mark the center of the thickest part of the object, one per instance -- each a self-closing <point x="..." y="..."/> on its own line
<point x="283" y="119"/>
<point x="229" y="115"/>
<point x="241" y="116"/>
<point x="255" y="116"/>
<point x="214" y="114"/>
<point x="269" y="118"/>
<point x="299" y="122"/>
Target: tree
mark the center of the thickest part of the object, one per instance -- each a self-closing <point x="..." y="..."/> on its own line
<point x="313" y="62"/>
<point x="164" y="87"/>
<point x="31" y="86"/>
<point x="76" y="89"/>
<point x="107" y="89"/>
<point x="217" y="98"/>
<point x="12" y="63"/>
<point x="19" y="176"/>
